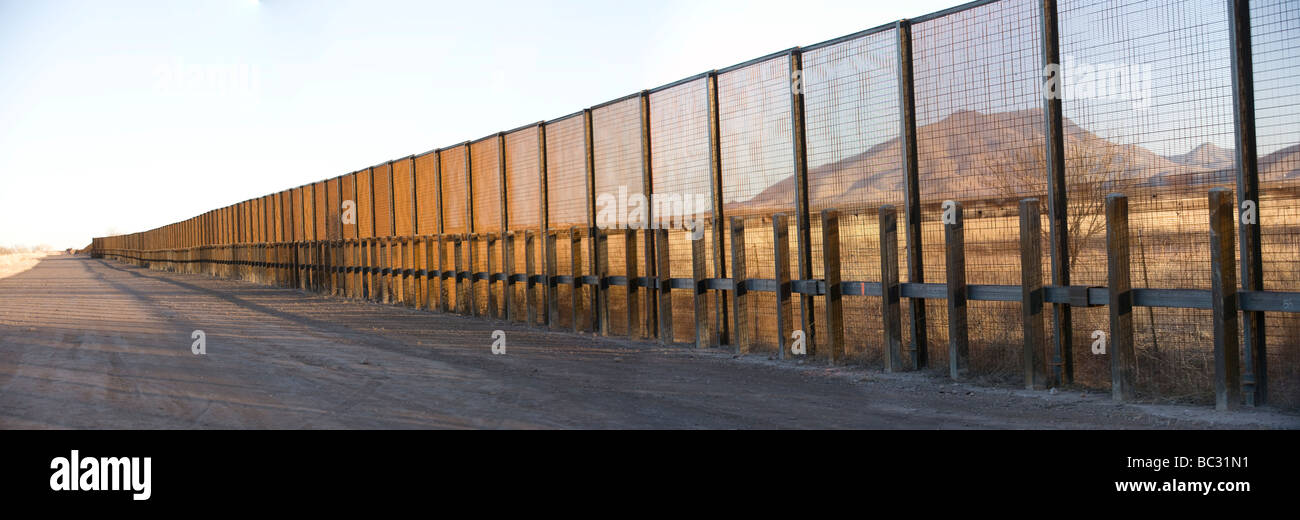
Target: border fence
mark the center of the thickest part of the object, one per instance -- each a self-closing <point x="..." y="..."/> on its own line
<point x="1057" y="192"/>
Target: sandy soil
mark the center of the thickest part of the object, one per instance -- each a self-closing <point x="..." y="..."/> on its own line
<point x="87" y="343"/>
<point x="14" y="263"/>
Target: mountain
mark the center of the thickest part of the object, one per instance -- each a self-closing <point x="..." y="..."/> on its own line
<point x="1282" y="165"/>
<point x="971" y="155"/>
<point x="1207" y="156"/>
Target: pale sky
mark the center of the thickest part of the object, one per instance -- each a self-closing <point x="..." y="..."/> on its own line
<point x="123" y="116"/>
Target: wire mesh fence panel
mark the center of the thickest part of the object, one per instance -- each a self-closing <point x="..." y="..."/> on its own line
<point x="349" y="196"/>
<point x="851" y="118"/>
<point x="1275" y="25"/>
<point x="523" y="207"/>
<point x="485" y="179"/>
<point x="566" y="195"/>
<point x="758" y="171"/>
<point x="365" y="204"/>
<point x="320" y="211"/>
<point x="426" y="194"/>
<point x="403" y="199"/>
<point x="454" y="191"/>
<point x="455" y="205"/>
<point x="333" y="210"/>
<point x="679" y="162"/>
<point x="1147" y="103"/>
<point x="619" y="188"/>
<point x="383" y="197"/>
<point x="980" y="138"/>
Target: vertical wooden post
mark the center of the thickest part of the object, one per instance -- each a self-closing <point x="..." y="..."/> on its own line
<point x="955" y="246"/>
<point x="432" y="279"/>
<point x="1057" y="203"/>
<point x="443" y="295"/>
<point x="472" y="264"/>
<point x="408" y="272"/>
<point x="530" y="291"/>
<point x="508" y="289"/>
<point x="1223" y="295"/>
<point x="575" y="262"/>
<point x="492" y="310"/>
<point x="740" y="298"/>
<point x="890" y="290"/>
<point x="633" y="291"/>
<point x="1255" y="379"/>
<point x="834" y="297"/>
<point x="386" y="269"/>
<point x="458" y="285"/>
<point x="1123" y="358"/>
<point x="552" y="314"/>
<point x="912" y="194"/>
<point x="663" y="268"/>
<point x="1031" y="294"/>
<point x="802" y="217"/>
<point x="699" y="272"/>
<point x="601" y="270"/>
<point x="784" y="313"/>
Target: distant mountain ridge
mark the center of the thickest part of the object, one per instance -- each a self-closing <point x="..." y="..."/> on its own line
<point x="972" y="155"/>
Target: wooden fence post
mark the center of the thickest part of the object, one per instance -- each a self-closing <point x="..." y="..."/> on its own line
<point x="663" y="264"/>
<point x="491" y="268"/>
<point x="530" y="290"/>
<point x="634" y="318"/>
<point x="1223" y="293"/>
<point x="552" y="315"/>
<point x="781" y="256"/>
<point x="575" y="268"/>
<point x="834" y="297"/>
<point x="699" y="272"/>
<point x="1123" y="359"/>
<point x="508" y="289"/>
<point x="740" y="297"/>
<point x="601" y="270"/>
<point x="1031" y="294"/>
<point x="958" y="330"/>
<point x="890" y="290"/>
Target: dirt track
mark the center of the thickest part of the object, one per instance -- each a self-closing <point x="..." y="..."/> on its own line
<point x="88" y="343"/>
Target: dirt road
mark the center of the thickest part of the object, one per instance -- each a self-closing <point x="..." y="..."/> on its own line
<point x="88" y="343"/>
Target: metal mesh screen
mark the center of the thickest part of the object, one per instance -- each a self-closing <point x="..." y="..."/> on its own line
<point x="485" y="179"/>
<point x="321" y="211"/>
<point x="758" y="173"/>
<point x="1148" y="115"/>
<point x="679" y="162"/>
<point x="426" y="193"/>
<point x="349" y="186"/>
<point x="980" y="137"/>
<point x="523" y="207"/>
<point x="333" y="210"/>
<point x="365" y="211"/>
<point x="1275" y="25"/>
<point x="616" y="149"/>
<point x="454" y="194"/>
<point x="403" y="207"/>
<point x="851" y="121"/>
<point x="383" y="197"/>
<point x="566" y="188"/>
